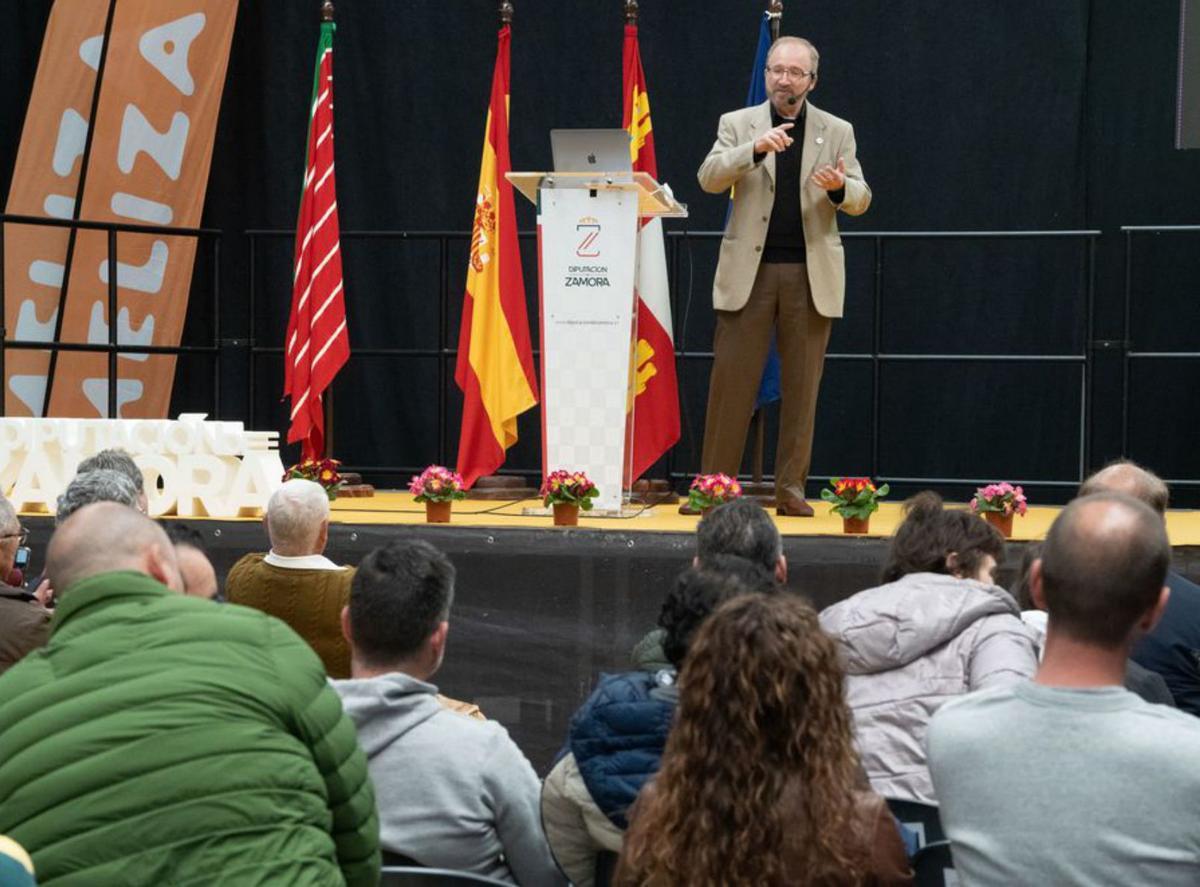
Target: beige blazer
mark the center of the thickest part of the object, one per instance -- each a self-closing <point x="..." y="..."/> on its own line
<point x="730" y="164"/>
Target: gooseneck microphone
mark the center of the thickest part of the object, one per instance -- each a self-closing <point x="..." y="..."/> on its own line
<point x="793" y="99"/>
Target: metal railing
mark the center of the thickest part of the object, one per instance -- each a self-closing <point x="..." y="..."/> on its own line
<point x="113" y="347"/>
<point x="1130" y="353"/>
<point x="679" y="246"/>
<point x="677" y="243"/>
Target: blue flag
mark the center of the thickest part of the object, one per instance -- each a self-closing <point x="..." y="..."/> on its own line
<point x="768" y="387"/>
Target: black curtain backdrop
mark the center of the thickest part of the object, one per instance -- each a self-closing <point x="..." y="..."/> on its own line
<point x="969" y="116"/>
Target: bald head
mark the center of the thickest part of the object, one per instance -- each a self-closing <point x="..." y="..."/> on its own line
<point x="105" y="537"/>
<point x="1102" y="568"/>
<point x="298" y="518"/>
<point x="1132" y="480"/>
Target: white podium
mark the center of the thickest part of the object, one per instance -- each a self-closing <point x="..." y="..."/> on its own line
<point x="587" y="226"/>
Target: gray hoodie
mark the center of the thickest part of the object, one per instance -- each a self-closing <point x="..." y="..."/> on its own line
<point x="908" y="647"/>
<point x="454" y="792"/>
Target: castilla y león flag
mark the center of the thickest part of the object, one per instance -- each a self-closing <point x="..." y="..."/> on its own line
<point x="317" y="345"/>
<point x="655" y="403"/>
<point x="495" y="355"/>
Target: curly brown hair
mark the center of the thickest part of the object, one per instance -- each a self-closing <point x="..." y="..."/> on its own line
<point x="761" y="713"/>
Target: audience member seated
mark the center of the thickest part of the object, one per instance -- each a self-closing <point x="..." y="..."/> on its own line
<point x="616" y="738"/>
<point x="294" y="581"/>
<point x="121" y="462"/>
<point x="1071" y="779"/>
<point x="157" y="739"/>
<point x="16" y="868"/>
<point x="24" y="622"/>
<point x="199" y="577"/>
<point x="1142" y="681"/>
<point x="760" y="783"/>
<point x="454" y="792"/>
<point x="1173" y="648"/>
<point x="938" y="628"/>
<point x="742" y="528"/>
<point x="99" y="485"/>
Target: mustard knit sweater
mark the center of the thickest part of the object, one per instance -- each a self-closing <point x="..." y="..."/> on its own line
<point x="310" y="601"/>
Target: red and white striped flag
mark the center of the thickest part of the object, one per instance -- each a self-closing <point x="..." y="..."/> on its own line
<point x="317" y="343"/>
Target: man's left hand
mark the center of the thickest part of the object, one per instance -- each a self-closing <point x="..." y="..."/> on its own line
<point x="831" y="178"/>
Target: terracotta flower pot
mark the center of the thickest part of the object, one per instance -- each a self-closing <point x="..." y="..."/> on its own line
<point x="856" y="525"/>
<point x="438" y="512"/>
<point x="1002" y="522"/>
<point x="566" y="514"/>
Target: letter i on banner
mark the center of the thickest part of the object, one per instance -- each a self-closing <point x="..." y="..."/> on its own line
<point x="45" y="181"/>
<point x="653" y="424"/>
<point x="164" y="72"/>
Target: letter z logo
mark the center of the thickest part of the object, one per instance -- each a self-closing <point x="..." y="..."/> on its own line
<point x="587" y="248"/>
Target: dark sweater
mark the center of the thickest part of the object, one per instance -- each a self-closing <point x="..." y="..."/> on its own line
<point x="785" y="232"/>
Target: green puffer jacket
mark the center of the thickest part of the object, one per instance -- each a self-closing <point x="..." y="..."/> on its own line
<point x="162" y="739"/>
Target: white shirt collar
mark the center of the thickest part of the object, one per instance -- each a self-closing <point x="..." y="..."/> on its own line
<point x="304" y="562"/>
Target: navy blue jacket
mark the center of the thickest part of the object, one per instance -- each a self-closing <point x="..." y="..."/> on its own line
<point x="1173" y="648"/>
<point x="618" y="734"/>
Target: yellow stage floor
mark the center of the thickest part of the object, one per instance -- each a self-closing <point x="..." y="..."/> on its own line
<point x="388" y="507"/>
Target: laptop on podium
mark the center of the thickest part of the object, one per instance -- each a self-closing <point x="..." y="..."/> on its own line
<point x="590" y="150"/>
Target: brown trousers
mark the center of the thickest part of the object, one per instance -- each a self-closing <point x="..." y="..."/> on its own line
<point x="779" y="301"/>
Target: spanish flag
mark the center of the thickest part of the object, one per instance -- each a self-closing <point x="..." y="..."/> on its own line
<point x="654" y="418"/>
<point x="495" y="355"/>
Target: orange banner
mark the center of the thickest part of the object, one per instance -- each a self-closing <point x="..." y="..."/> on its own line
<point x="155" y="125"/>
<point x="45" y="181"/>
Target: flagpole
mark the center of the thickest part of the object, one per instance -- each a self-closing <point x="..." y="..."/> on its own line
<point x="775" y="16"/>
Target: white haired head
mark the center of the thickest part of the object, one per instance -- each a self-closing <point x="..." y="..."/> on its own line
<point x="298" y="518"/>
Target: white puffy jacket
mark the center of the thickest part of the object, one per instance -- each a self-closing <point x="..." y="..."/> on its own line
<point x="909" y="646"/>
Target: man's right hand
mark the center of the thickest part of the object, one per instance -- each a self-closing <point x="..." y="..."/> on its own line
<point x="45" y="594"/>
<point x="774" y="139"/>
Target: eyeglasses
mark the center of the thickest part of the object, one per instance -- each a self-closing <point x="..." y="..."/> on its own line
<point x="794" y="73"/>
<point x="22" y="534"/>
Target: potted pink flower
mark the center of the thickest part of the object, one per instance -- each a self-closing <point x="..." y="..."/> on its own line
<point x="998" y="503"/>
<point x="710" y="490"/>
<point x="438" y="487"/>
<point x="568" y="492"/>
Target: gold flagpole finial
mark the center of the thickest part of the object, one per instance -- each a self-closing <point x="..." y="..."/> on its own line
<point x="327" y="11"/>
<point x="631" y="12"/>
<point x="506" y="13"/>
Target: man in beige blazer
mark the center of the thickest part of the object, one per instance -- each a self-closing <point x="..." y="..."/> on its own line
<point x="791" y="166"/>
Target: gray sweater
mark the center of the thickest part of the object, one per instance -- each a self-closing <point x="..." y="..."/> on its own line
<point x="453" y="792"/>
<point x="1047" y="785"/>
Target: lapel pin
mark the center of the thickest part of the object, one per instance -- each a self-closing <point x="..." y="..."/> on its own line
<point x="820" y="140"/>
